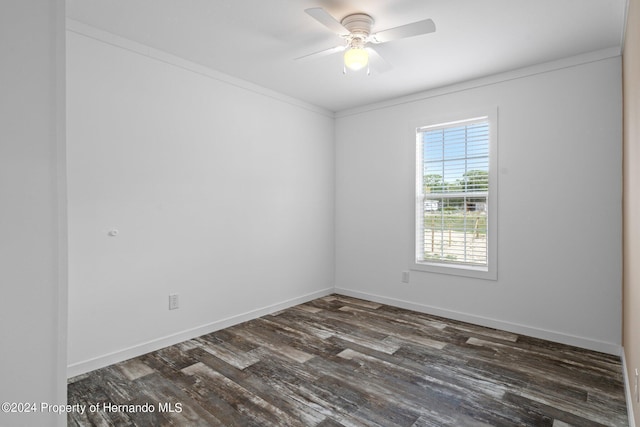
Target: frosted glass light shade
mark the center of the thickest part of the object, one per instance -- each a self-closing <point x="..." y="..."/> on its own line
<point x="356" y="59"/>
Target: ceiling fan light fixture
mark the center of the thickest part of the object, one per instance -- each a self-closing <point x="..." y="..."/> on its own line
<point x="356" y="58"/>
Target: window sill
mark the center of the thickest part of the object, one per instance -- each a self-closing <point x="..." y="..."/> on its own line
<point x="456" y="270"/>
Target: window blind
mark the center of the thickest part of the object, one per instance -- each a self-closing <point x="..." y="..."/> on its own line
<point x="452" y="193"/>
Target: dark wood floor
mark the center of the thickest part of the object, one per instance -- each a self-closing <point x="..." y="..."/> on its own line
<point x="339" y="361"/>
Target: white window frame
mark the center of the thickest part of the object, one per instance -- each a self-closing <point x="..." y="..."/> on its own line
<point x="490" y="271"/>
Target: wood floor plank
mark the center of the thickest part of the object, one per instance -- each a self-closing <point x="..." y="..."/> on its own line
<point x="555" y="413"/>
<point x="230" y="354"/>
<point x="178" y="407"/>
<point x="134" y="369"/>
<point x="340" y="361"/>
<point x="277" y="393"/>
<point x="247" y="403"/>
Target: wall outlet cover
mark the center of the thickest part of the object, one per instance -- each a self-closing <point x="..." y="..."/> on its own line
<point x="174" y="302"/>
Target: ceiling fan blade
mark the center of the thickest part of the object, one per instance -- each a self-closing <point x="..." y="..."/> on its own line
<point x="322" y="53"/>
<point x="415" y="29"/>
<point x="323" y="17"/>
<point x="377" y="62"/>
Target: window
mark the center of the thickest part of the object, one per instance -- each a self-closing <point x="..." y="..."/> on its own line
<point x="455" y="192"/>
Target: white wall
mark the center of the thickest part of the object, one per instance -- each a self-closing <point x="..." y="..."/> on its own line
<point x="32" y="218"/>
<point x="559" y="265"/>
<point x="221" y="192"/>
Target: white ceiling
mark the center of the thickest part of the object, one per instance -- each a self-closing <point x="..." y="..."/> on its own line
<point x="257" y="40"/>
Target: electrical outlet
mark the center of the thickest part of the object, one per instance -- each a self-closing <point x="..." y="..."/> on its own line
<point x="173" y="302"/>
<point x="405" y="277"/>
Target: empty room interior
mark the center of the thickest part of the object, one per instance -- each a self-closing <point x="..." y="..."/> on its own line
<point x="358" y="213"/>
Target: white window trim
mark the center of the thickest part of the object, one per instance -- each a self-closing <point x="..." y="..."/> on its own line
<point x="490" y="271"/>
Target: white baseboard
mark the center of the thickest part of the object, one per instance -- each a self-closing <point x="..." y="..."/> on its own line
<point x="587" y="343"/>
<point x="627" y="391"/>
<point x="156" y="344"/>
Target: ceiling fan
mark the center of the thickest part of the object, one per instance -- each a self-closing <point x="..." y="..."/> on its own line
<point x="355" y="29"/>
